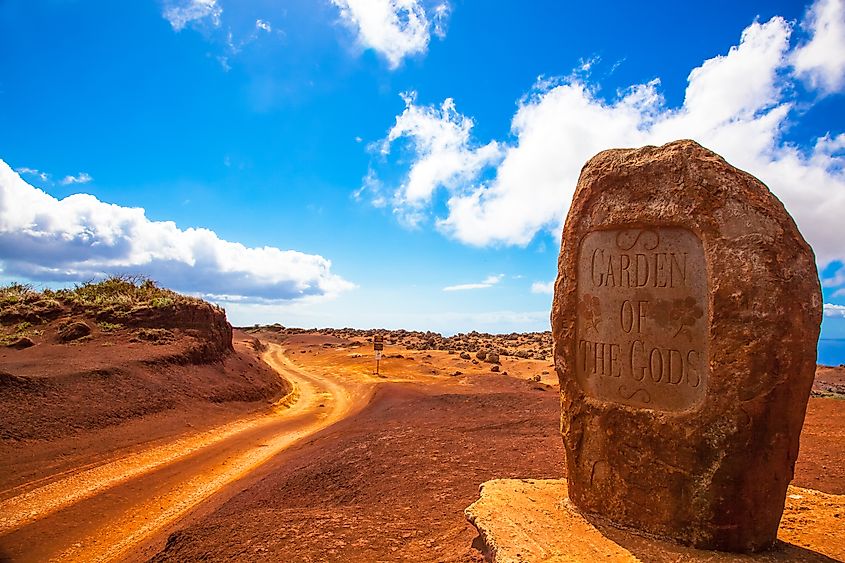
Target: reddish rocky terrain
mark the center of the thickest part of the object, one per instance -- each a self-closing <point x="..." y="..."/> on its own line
<point x="391" y="483"/>
<point x="382" y="470"/>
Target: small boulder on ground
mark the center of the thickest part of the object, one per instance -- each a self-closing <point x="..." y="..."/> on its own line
<point x="74" y="331"/>
<point x="495" y="368"/>
<point x="492" y="358"/>
<point x="155" y="335"/>
<point x="481" y="355"/>
<point x="465" y="356"/>
<point x="21" y="343"/>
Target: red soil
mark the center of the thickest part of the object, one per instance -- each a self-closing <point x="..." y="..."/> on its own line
<point x="391" y="483"/>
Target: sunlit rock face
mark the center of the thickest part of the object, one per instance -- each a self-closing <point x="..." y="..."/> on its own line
<point x="685" y="321"/>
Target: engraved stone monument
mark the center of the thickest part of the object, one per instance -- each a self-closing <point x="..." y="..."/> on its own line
<point x="686" y="316"/>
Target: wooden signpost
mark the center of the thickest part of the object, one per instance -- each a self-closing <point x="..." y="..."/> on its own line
<point x="378" y="346"/>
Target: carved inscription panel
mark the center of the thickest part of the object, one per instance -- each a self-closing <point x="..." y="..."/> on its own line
<point x="641" y="323"/>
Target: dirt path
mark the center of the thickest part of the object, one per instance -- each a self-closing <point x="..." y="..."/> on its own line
<point x="105" y="512"/>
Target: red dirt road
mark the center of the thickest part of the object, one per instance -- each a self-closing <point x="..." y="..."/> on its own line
<point x="108" y="511"/>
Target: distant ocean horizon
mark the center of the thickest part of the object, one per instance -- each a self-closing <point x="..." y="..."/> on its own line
<point x="831" y="351"/>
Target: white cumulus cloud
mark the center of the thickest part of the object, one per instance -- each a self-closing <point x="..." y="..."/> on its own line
<point x="393" y="28"/>
<point x="543" y="287"/>
<point x="43" y="176"/>
<point x="821" y="60"/>
<point x="440" y="18"/>
<point x="489" y="281"/>
<point x="81" y="238"/>
<point x="182" y="12"/>
<point x="737" y="104"/>
<point x="440" y="139"/>
<point x="831" y="310"/>
<point x="81" y="178"/>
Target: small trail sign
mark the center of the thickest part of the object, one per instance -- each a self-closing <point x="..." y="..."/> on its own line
<point x="378" y="346"/>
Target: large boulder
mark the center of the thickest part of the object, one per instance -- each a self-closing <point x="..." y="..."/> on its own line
<point x="685" y="320"/>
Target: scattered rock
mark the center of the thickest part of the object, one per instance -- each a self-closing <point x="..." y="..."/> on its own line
<point x="21" y="343"/>
<point x="465" y="356"/>
<point x="494" y="369"/>
<point x="492" y="358"/>
<point x="458" y="373"/>
<point x="481" y="355"/>
<point x="74" y="331"/>
<point x="154" y="335"/>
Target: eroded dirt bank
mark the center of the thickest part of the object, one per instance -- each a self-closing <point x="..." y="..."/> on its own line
<point x="74" y="404"/>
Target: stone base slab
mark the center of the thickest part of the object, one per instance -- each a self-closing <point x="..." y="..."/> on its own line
<point x="529" y="521"/>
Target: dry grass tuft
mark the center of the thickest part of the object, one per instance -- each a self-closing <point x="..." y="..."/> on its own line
<point x="110" y="300"/>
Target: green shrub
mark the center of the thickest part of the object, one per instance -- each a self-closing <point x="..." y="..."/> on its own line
<point x="123" y="292"/>
<point x="19" y="331"/>
<point x="161" y="302"/>
<point x="15" y="293"/>
<point x="114" y="297"/>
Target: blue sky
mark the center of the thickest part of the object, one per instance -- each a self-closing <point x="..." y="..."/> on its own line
<point x="398" y="163"/>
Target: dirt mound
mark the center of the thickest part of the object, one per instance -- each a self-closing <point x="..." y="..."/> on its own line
<point x="52" y="394"/>
<point x="98" y="355"/>
<point x="114" y="304"/>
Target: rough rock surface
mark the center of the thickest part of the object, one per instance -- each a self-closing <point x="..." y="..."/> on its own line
<point x="685" y="320"/>
<point x="528" y="520"/>
<point x="202" y="320"/>
<point x="74" y="331"/>
<point x="21" y="343"/>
